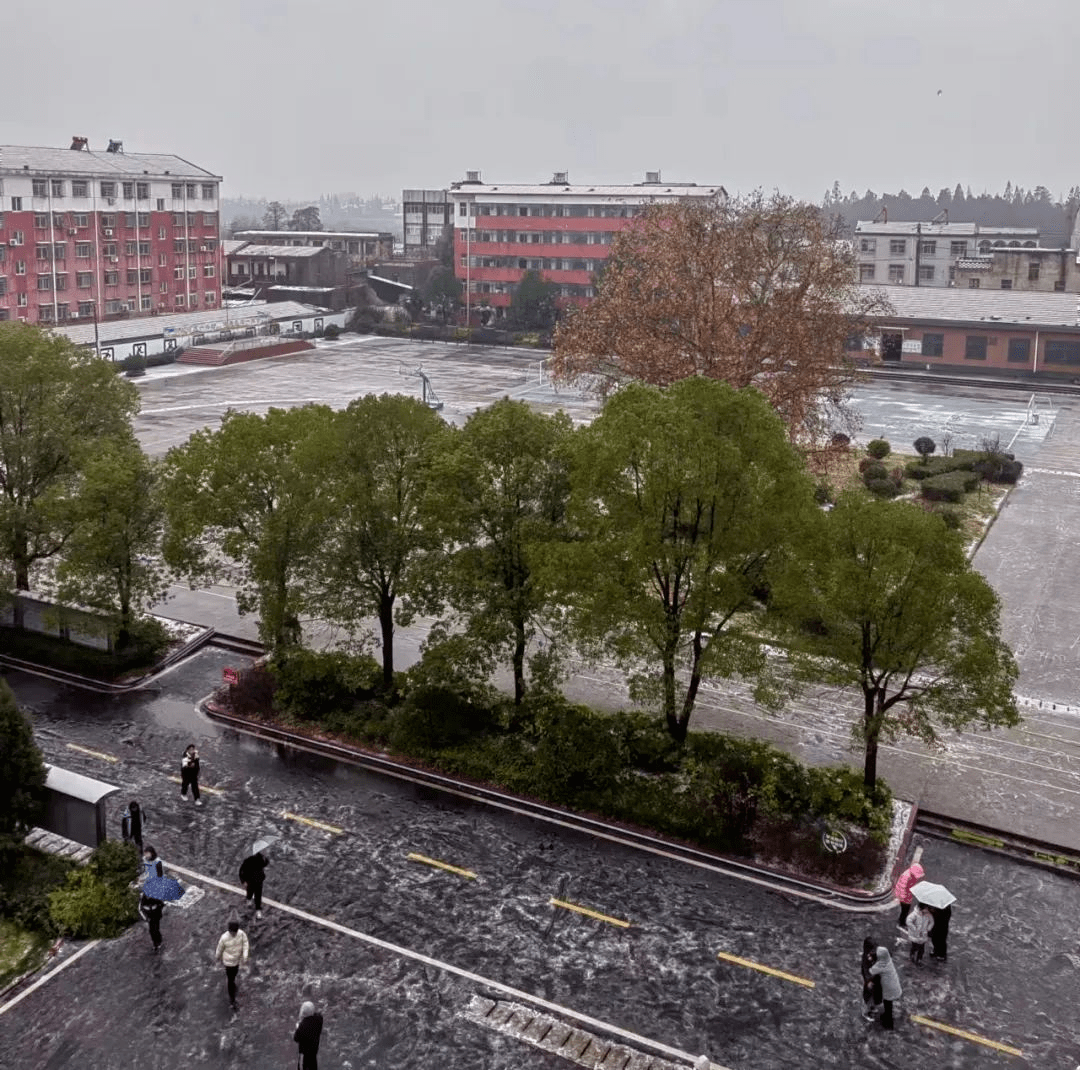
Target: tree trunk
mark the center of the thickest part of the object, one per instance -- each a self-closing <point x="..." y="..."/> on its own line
<point x="386" y="630"/>
<point x="676" y="726"/>
<point x="872" y="719"/>
<point x="691" y="687"/>
<point x="519" y="662"/>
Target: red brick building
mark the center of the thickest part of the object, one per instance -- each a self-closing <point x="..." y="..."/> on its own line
<point x="561" y="230"/>
<point x="87" y="235"/>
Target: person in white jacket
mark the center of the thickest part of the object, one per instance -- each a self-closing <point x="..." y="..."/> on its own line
<point x="919" y="923"/>
<point x="232" y="952"/>
<point x="890" y="984"/>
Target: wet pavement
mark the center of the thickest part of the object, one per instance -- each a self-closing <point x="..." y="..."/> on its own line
<point x="1011" y="975"/>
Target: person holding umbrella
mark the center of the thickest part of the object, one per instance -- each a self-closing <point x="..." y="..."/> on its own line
<point x="940" y="900"/>
<point x="253" y="873"/>
<point x="151" y="910"/>
<point x="232" y="953"/>
<point x="308" y="1032"/>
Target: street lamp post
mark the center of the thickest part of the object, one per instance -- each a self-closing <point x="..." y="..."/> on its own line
<point x="97" y="340"/>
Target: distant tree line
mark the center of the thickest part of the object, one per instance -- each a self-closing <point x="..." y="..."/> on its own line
<point x="1014" y="207"/>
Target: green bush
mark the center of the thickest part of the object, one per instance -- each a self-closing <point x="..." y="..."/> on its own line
<point x="649" y="746"/>
<point x="89" y="906"/>
<point x="824" y="493"/>
<point x="870" y="462"/>
<point x="436" y="716"/>
<point x="838" y="793"/>
<point x="579" y="755"/>
<point x="26" y="880"/>
<point x="149" y="641"/>
<point x="882" y="488"/>
<point x="949" y="487"/>
<point x="312" y="683"/>
<point x="332" y="331"/>
<point x="924" y="446"/>
<point x="116" y="863"/>
<point x="951" y="518"/>
<point x="878" y="447"/>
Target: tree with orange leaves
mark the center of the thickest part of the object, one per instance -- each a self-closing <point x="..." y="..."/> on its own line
<point x="753" y="291"/>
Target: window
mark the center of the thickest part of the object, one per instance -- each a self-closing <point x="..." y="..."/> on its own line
<point x="211" y="244"/>
<point x="44" y="282"/>
<point x="163" y="287"/>
<point x="4" y="314"/>
<point x="20" y="300"/>
<point x="59" y="251"/>
<point x="193" y="270"/>
<point x="20" y="267"/>
<point x="178" y="273"/>
<point x="958" y="248"/>
<point x="145" y="302"/>
<point x="208" y="191"/>
<point x="142" y="191"/>
<point x="162" y="260"/>
<point x="41" y="220"/>
<point x="192" y="191"/>
<point x="108" y="189"/>
<point x="130" y="247"/>
<point x="897" y="247"/>
<point x="928" y="248"/>
<point x="193" y="219"/>
<point x="211" y="297"/>
<point x="868" y="245"/>
<point x="40" y="187"/>
<point x="926" y="272"/>
<point x="1061" y="353"/>
<point x="161" y="204"/>
<point x="57" y="187"/>
<point x="80" y="188"/>
<point x="45" y="314"/>
<point x="129" y="190"/>
<point x="82" y="249"/>
<point x="108" y="219"/>
<point x="1019" y="350"/>
<point x="1033" y="272"/>
<point x="974" y="284"/>
<point x="112" y="278"/>
<point x="896" y="273"/>
<point x="3" y="285"/>
<point x="1006" y="284"/>
<point x="58" y="219"/>
<point x="129" y="220"/>
<point x="933" y="345"/>
<point x="42" y="252"/>
<point x="114" y="306"/>
<point x="109" y="249"/>
<point x="1059" y="286"/>
<point x="16" y="204"/>
<point x="144" y="248"/>
<point x="161" y="233"/>
<point x="866" y="273"/>
<point x="975" y="347"/>
<point x="79" y="219"/>
<point x="83" y="280"/>
<point x="178" y="246"/>
<point x="86" y="308"/>
<point x="178" y="299"/>
<point x="177" y="189"/>
<point x="208" y="271"/>
<point x="132" y="276"/>
<point x="61" y="282"/>
<point x="144" y="276"/>
<point x="209" y="219"/>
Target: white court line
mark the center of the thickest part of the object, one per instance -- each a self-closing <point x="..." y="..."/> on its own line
<point x="52" y="973"/>
<point x="475" y="978"/>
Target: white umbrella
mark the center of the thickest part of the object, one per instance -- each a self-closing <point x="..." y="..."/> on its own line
<point x="932" y="895"/>
<point x="262" y="844"/>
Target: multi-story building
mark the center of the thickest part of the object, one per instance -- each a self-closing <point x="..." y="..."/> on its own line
<point x="929" y="254"/>
<point x="87" y="234"/>
<point x="425" y="217"/>
<point x="362" y="249"/>
<point x="563" y="231"/>
<point x="313" y="273"/>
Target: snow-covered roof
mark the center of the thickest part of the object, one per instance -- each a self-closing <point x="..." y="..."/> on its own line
<point x="281" y="252"/>
<point x="665" y="191"/>
<point x="40" y="160"/>
<point x="942" y="230"/>
<point x="1025" y="308"/>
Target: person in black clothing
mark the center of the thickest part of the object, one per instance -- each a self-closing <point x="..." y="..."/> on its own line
<point x="151" y="910"/>
<point x="871" y="983"/>
<point x="131" y="825"/>
<point x="308" y="1032"/>
<point x="252" y="875"/>
<point x="939" y="934"/>
<point x="189" y="773"/>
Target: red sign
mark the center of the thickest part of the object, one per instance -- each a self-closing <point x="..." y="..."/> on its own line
<point x="231" y="675"/>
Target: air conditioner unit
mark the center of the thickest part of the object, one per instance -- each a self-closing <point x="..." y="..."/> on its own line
<point x="108" y="232"/>
<point x="204" y="248"/>
<point x="72" y="233"/>
<point x="114" y="260"/>
<point x="110" y="200"/>
<point x="13" y="241"/>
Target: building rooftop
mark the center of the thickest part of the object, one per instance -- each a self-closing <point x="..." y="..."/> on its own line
<point x="959" y="304"/>
<point x="955" y="230"/>
<point x="47" y="161"/>
<point x="281" y="252"/>
<point x="646" y="191"/>
<point x="314" y="235"/>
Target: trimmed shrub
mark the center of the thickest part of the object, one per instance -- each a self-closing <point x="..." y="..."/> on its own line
<point x="924" y="446"/>
<point x="26" y="880"/>
<point x="332" y="331"/>
<point x="951" y="518"/>
<point x="579" y="755"/>
<point x="649" y="746"/>
<point x="435" y="716"/>
<point x="871" y="464"/>
<point x="948" y="487"/>
<point x="311" y="683"/>
<point x="879" y="448"/>
<point x="116" y="863"/>
<point x="91" y="907"/>
<point x="882" y="488"/>
<point x="254" y="692"/>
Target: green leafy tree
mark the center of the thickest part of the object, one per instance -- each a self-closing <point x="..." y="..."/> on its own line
<point x="884" y="599"/>
<point x="22" y="774"/>
<point x="377" y="477"/>
<point x="275" y="216"/>
<point x="500" y="490"/>
<point x="306" y="219"/>
<point x="442" y="291"/>
<point x="111" y="561"/>
<point x="245" y="502"/>
<point x="58" y="405"/>
<point x="682" y="498"/>
<point x="532" y="304"/>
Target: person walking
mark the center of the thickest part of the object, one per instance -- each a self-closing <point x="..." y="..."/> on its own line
<point x="252" y="875"/>
<point x="153" y="865"/>
<point x="902" y="890"/>
<point x="131" y="824"/>
<point x="189" y="773"/>
<point x="151" y="910"/>
<point x="939" y="934"/>
<point x="871" y="984"/>
<point x="232" y="953"/>
<point x="919" y="923"/>
<point x="890" y="984"/>
<point x="308" y="1032"/>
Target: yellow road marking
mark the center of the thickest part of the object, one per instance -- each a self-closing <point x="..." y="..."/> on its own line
<point x="974" y="1037"/>
<point x="764" y="969"/>
<point x="441" y="865"/>
<point x="202" y="787"/>
<point x="310" y="821"/>
<point x="589" y="913"/>
<point x="93" y="753"/>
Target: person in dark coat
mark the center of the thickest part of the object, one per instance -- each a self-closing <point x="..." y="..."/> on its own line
<point x="252" y="875"/>
<point x="307" y="1035"/>
<point x="871" y="983"/>
<point x="131" y="824"/>
<point x="189" y="773"/>
<point x="151" y="910"/>
<point x="939" y="934"/>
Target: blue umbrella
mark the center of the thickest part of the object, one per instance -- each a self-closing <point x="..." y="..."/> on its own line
<point x="167" y="889"/>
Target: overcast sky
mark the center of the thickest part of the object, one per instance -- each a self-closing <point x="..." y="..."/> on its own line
<point x="293" y="98"/>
